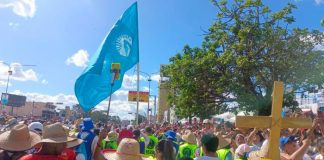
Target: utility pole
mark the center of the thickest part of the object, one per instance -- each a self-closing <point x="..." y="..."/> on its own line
<point x="33" y="109"/>
<point x="148" y="102"/>
<point x="154" y="105"/>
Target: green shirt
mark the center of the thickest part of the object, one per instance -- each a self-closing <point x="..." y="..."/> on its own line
<point x="150" y="148"/>
<point x="187" y="150"/>
<point x="109" y="144"/>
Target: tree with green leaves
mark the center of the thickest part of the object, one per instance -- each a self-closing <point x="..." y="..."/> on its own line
<point x="245" y="50"/>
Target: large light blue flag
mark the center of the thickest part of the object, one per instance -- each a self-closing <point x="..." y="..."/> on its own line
<point x="118" y="51"/>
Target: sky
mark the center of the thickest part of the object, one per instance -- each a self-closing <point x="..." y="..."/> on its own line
<point x="59" y="37"/>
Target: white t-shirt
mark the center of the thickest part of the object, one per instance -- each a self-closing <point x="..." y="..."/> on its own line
<point x="319" y="157"/>
<point x="94" y="145"/>
<point x="206" y="158"/>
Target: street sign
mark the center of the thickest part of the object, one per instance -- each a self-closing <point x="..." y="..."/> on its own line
<point x="143" y="96"/>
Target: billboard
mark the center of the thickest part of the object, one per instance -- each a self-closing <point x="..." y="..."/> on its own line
<point x="13" y="100"/>
<point x="143" y="96"/>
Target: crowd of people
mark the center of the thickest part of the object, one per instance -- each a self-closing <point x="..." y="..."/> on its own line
<point x="204" y="140"/>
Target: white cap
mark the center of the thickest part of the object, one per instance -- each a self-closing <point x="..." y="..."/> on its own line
<point x="130" y="127"/>
<point x="206" y="121"/>
<point x="36" y="127"/>
<point x="242" y="148"/>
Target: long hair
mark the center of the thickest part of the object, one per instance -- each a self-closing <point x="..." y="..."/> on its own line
<point x="165" y="147"/>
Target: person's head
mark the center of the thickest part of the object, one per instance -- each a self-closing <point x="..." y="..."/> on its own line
<point x="189" y="137"/>
<point x="171" y="135"/>
<point x="36" y="127"/>
<point x="207" y="124"/>
<point x="217" y="128"/>
<point x="96" y="131"/>
<point x="209" y="143"/>
<point x="112" y="136"/>
<point x="148" y="130"/>
<point x="242" y="150"/>
<point x="288" y="144"/>
<point x="87" y="124"/>
<point x="228" y="126"/>
<point x="130" y="128"/>
<point x="258" y="138"/>
<point x="239" y="139"/>
<point x="137" y="134"/>
<point x="53" y="148"/>
<point x="19" y="138"/>
<point x="128" y="149"/>
<point x="55" y="139"/>
<point x="265" y="133"/>
<point x="164" y="150"/>
<point x="320" y="146"/>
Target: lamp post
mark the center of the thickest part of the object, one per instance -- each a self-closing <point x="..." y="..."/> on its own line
<point x="148" y="102"/>
<point x="149" y="92"/>
<point x="9" y="74"/>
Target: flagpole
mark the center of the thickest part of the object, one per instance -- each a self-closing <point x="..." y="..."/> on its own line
<point x="138" y="68"/>
<point x="137" y="99"/>
<point x="111" y="87"/>
<point x="109" y="102"/>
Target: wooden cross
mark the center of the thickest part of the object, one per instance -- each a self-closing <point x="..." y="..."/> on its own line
<point x="275" y="122"/>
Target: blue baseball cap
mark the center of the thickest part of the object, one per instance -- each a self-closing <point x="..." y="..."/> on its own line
<point x="170" y="135"/>
<point x="285" y="140"/>
<point x="87" y="124"/>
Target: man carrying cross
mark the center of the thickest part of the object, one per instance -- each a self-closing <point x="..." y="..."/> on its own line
<point x="290" y="148"/>
<point x="275" y="123"/>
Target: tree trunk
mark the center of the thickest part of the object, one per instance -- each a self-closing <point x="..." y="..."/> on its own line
<point x="265" y="110"/>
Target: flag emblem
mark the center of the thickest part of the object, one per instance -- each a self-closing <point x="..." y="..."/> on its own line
<point x="124" y="45"/>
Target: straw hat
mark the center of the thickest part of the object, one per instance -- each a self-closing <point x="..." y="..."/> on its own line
<point x="189" y="137"/>
<point x="55" y="133"/>
<point x="19" y="138"/>
<point x="128" y="149"/>
<point x="74" y="143"/>
<point x="112" y="136"/>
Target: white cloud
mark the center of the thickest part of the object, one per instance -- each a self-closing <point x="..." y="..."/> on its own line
<point x="18" y="73"/>
<point x="68" y="100"/>
<point x="146" y="89"/>
<point x="319" y="1"/>
<point x="24" y="8"/>
<point x="44" y="81"/>
<point x="119" y="104"/>
<point x="4" y="84"/>
<point x="79" y="59"/>
<point x="156" y="77"/>
<point x="129" y="81"/>
<point x="12" y="24"/>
